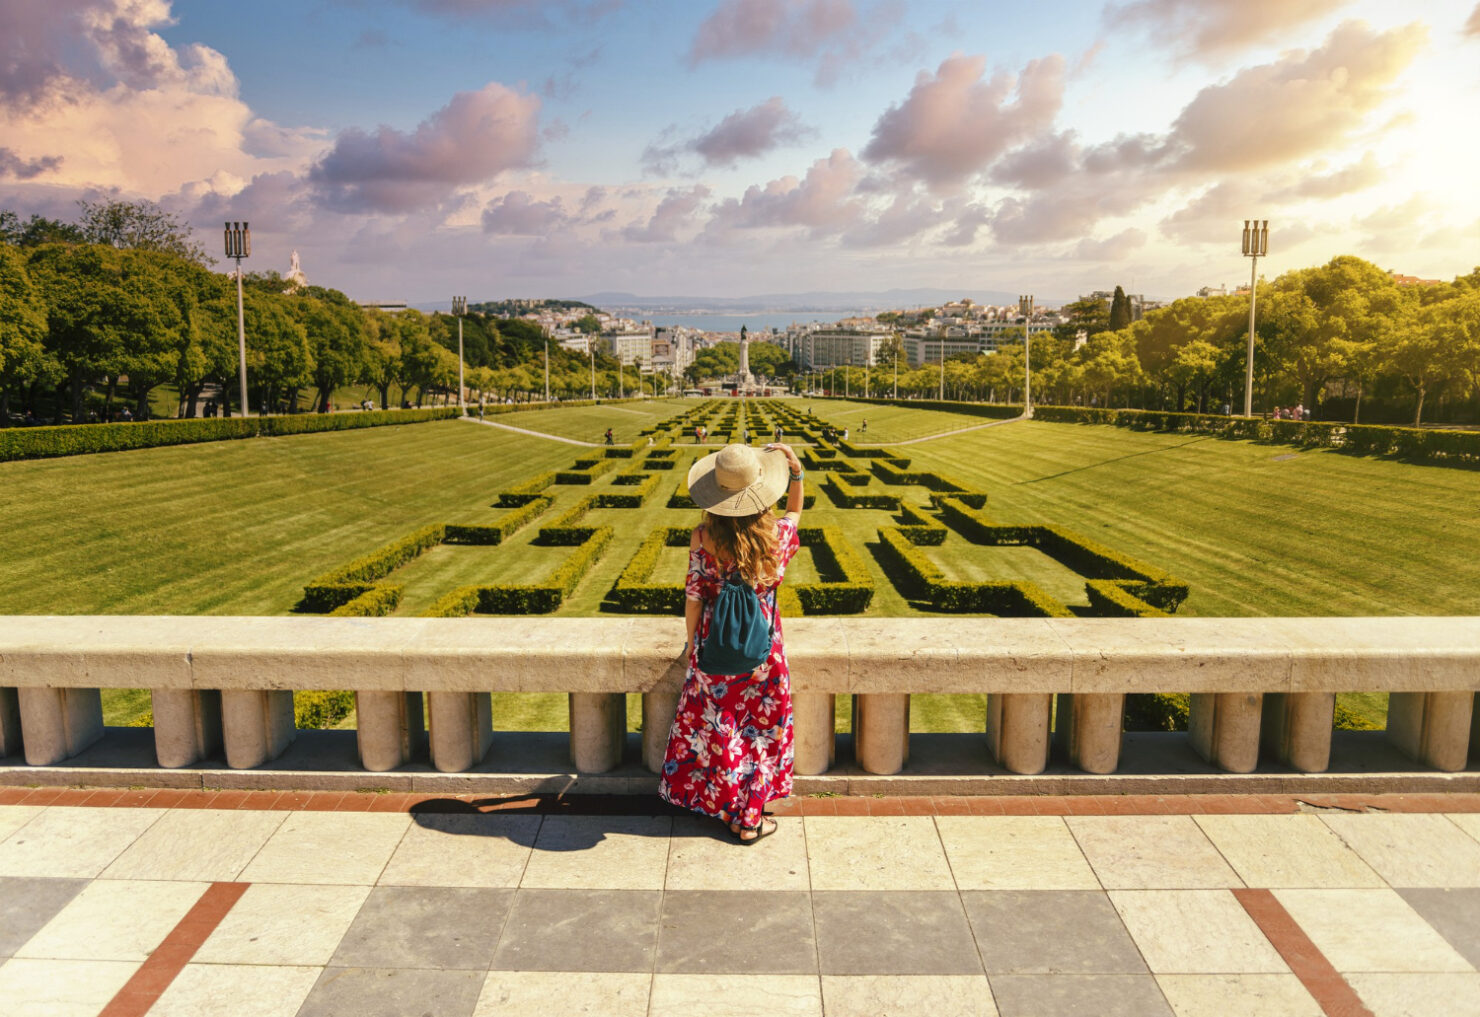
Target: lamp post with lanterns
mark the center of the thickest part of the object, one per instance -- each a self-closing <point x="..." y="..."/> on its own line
<point x="1256" y="246"/>
<point x="1025" y="308"/>
<point x="460" y="308"/>
<point x="239" y="246"/>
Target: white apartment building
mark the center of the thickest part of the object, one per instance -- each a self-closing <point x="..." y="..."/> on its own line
<point x="825" y="348"/>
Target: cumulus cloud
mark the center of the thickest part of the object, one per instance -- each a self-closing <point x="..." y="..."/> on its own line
<point x="516" y="13"/>
<point x="1116" y="248"/>
<point x="30" y="68"/>
<point x="1357" y="177"/>
<point x="1300" y="104"/>
<point x="1214" y="214"/>
<point x="12" y="165"/>
<point x="903" y="219"/>
<point x="676" y="211"/>
<point x="744" y="134"/>
<point x="823" y="201"/>
<point x="832" y="31"/>
<point x="473" y="138"/>
<point x="1472" y="26"/>
<point x="518" y="213"/>
<point x="953" y="124"/>
<point x="1214" y="28"/>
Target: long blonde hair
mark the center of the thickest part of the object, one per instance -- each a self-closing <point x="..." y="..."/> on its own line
<point x="749" y="542"/>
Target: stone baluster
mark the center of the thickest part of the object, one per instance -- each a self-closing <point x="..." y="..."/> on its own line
<point x="1296" y="729"/>
<point x="658" y="711"/>
<point x="598" y="730"/>
<point x="187" y="725"/>
<point x="1017" y="730"/>
<point x="56" y="724"/>
<point x="814" y="732"/>
<point x="390" y="729"/>
<point x="10" y="723"/>
<point x="461" y="725"/>
<point x="1088" y="729"/>
<point x="1224" y="728"/>
<point x="881" y="731"/>
<point x="1432" y="727"/>
<point x="256" y="725"/>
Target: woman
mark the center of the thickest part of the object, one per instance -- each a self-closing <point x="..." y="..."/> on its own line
<point x="730" y="746"/>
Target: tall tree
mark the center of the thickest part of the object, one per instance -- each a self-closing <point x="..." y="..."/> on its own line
<point x="24" y="358"/>
<point x="140" y="225"/>
<point x="1120" y="310"/>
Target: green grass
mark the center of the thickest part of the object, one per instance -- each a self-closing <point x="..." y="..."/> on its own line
<point x="900" y="422"/>
<point x="589" y="423"/>
<point x="239" y="527"/>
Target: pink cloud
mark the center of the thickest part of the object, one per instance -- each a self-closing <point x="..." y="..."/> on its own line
<point x="1211" y="28"/>
<point x="518" y="213"/>
<point x="675" y="212"/>
<point x="822" y="201"/>
<point x="12" y="165"/>
<point x="1472" y="26"/>
<point x="744" y="134"/>
<point x="834" y="32"/>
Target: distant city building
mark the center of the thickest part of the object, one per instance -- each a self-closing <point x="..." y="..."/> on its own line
<point x="1212" y="291"/>
<point x="1413" y="280"/>
<point x="838" y="347"/>
<point x="391" y="306"/>
<point x="630" y="345"/>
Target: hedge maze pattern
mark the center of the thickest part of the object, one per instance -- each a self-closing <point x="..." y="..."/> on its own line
<point x="851" y="477"/>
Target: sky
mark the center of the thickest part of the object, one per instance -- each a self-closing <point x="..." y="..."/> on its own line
<point x="415" y="149"/>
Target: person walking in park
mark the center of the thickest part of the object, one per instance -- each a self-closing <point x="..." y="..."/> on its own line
<point x="609" y="439"/>
<point x="730" y="745"/>
<point x="777" y="434"/>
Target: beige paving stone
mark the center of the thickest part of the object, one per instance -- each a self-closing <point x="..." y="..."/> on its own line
<point x="1394" y="995"/>
<point x="1151" y="853"/>
<point x="1238" y="996"/>
<point x="114" y="919"/>
<point x="284" y="924"/>
<point x="600" y="853"/>
<point x="1195" y="932"/>
<point x="1287" y="851"/>
<point x="196" y="844"/>
<point x="328" y="847"/>
<point x="1370" y="930"/>
<point x="876" y="853"/>
<point x="61" y="988"/>
<point x="454" y="850"/>
<point x="1411" y="848"/>
<point x="201" y="990"/>
<point x="735" y="996"/>
<point x="703" y="856"/>
<point x="1466" y="821"/>
<point x="907" y="996"/>
<point x="13" y="817"/>
<point x="72" y="842"/>
<point x="1014" y="853"/>
<point x="606" y="994"/>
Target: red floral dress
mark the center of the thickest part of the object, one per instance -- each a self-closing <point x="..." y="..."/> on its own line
<point x="730" y="746"/>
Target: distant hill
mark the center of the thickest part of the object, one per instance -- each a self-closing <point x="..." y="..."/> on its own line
<point x="817" y="300"/>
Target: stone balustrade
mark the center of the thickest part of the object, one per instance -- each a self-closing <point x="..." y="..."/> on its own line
<point x="225" y="684"/>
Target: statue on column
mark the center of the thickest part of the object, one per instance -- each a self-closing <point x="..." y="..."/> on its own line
<point x="743" y="376"/>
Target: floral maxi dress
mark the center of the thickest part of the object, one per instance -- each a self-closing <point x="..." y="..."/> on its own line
<point x="730" y="746"/>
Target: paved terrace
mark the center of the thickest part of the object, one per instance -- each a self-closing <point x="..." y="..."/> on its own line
<point x="258" y="903"/>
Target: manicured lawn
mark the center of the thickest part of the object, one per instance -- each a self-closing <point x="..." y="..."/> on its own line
<point x="238" y="527"/>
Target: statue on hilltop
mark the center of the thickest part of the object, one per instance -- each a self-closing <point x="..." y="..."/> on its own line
<point x="295" y="278"/>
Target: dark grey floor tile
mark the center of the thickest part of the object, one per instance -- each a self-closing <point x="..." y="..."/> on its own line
<point x="893" y="932"/>
<point x="425" y="927"/>
<point x="580" y="930"/>
<point x="393" y="992"/>
<point x="26" y="904"/>
<point x="1454" y="914"/>
<point x="737" y="932"/>
<point x="1050" y="932"/>
<point x="1078" y="996"/>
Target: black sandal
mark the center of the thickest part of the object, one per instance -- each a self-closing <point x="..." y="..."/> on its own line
<point x="760" y="832"/>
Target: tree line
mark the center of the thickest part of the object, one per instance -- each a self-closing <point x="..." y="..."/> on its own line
<point x="102" y="312"/>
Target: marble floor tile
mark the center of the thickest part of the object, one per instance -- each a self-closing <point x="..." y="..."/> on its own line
<point x="328" y="847"/>
<point x="1193" y="932"/>
<point x="902" y="932"/>
<point x="396" y="992"/>
<point x="13" y="817"/>
<point x="1151" y="853"/>
<point x="676" y="995"/>
<point x="72" y="842"/>
<point x="1454" y="914"/>
<point x="1393" y="995"/>
<point x="114" y="919"/>
<point x="876" y="853"/>
<point x="1411" y="849"/>
<point x="284" y="924"/>
<point x="425" y="927"/>
<point x="1238" y="996"/>
<point x="1050" y="932"/>
<point x="703" y="856"/>
<point x="1287" y="851"/>
<point x="208" y="990"/>
<point x="61" y="988"/>
<point x="1079" y="996"/>
<point x="736" y="932"/>
<point x="580" y="930"/>
<point x="907" y="996"/>
<point x="600" y="853"/>
<point x="28" y="904"/>
<point x="458" y="850"/>
<point x="597" y="993"/>
<point x="1469" y="822"/>
<point x="1014" y="853"/>
<point x="200" y="844"/>
<point x="1370" y="930"/>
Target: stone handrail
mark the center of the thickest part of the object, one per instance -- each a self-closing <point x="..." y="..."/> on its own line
<point x="227" y="682"/>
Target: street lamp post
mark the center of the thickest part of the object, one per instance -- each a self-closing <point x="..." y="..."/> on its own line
<point x="547" y="365"/>
<point x="591" y="351"/>
<point x="1025" y="308"/>
<point x="459" y="308"/>
<point x="239" y="246"/>
<point x="942" y="368"/>
<point x="1256" y="246"/>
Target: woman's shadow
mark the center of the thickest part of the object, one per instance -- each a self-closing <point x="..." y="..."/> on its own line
<point x="591" y="817"/>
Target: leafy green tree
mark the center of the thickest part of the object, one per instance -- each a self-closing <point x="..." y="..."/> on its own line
<point x="37" y="230"/>
<point x="587" y="323"/>
<point x="279" y="355"/>
<point x="1089" y="315"/>
<point x="24" y="358"/>
<point x="340" y="342"/>
<point x="142" y="226"/>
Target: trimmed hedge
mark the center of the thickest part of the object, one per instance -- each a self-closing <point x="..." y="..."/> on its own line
<point x="633" y="591"/>
<point x="852" y="592"/>
<point x="919" y="528"/>
<point x="376" y="602"/>
<point x="502" y="528"/>
<point x="923" y="577"/>
<point x="85" y="439"/>
<point x="585" y="471"/>
<point x="997" y="411"/>
<point x="522" y="494"/>
<point x="537" y="598"/>
<point x="868" y="500"/>
<point x="337" y="588"/>
<point x="1421" y="445"/>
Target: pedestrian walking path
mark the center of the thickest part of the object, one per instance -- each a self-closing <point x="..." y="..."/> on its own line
<point x="274" y="904"/>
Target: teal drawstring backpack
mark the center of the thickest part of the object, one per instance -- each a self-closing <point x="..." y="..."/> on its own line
<point x="739" y="639"/>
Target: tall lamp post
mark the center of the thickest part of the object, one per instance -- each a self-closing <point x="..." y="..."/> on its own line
<point x="895" y="349"/>
<point x="942" y="368"/>
<point x="460" y="308"/>
<point x="1025" y="308"/>
<point x="546" y="330"/>
<point x="1256" y="246"/>
<point x="239" y="246"/>
<point x="591" y="351"/>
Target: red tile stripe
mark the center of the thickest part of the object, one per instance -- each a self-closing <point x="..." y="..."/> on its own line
<point x="1334" y="994"/>
<point x="155" y="975"/>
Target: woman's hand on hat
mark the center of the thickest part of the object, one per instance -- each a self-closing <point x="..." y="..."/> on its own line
<point x="791" y="457"/>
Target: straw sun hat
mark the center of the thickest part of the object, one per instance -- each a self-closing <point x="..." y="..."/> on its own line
<point x="739" y="480"/>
